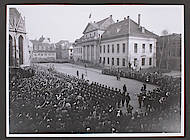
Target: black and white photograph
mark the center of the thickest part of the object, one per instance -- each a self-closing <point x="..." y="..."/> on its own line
<point x="94" y="70"/>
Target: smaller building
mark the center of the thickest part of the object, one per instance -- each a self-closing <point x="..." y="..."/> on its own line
<point x="43" y="50"/>
<point x="169" y="52"/>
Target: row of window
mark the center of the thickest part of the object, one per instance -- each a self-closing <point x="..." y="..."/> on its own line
<point x="90" y="35"/>
<point x="43" y="48"/>
<point x="112" y="61"/>
<point x="41" y="54"/>
<point x="143" y="61"/>
<point x="123" y="48"/>
<point x="112" y="48"/>
<point x="143" y="48"/>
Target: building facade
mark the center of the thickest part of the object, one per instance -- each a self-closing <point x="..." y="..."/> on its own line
<point x="127" y="44"/>
<point x="18" y="41"/>
<point x="62" y="49"/>
<point x="43" y="50"/>
<point x="77" y="51"/>
<point x="169" y="52"/>
<point x="90" y="41"/>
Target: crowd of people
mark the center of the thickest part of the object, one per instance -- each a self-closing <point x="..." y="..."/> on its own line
<point x="49" y="101"/>
<point x="148" y="76"/>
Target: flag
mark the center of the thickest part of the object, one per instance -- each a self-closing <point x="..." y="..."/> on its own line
<point x="90" y="15"/>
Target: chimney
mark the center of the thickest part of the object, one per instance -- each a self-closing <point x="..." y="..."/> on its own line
<point x="110" y="16"/>
<point x="117" y="20"/>
<point x="128" y="17"/>
<point x="139" y="20"/>
<point x="143" y="30"/>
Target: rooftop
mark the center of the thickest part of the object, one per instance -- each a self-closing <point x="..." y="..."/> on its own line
<point x="127" y="27"/>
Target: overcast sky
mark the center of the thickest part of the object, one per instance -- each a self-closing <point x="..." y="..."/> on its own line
<point x="67" y="22"/>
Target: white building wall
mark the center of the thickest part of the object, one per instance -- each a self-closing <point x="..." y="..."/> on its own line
<point x="140" y="54"/>
<point x="115" y="55"/>
<point x="129" y="55"/>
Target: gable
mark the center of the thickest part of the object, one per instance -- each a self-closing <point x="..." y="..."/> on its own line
<point x="89" y="28"/>
<point x="16" y="21"/>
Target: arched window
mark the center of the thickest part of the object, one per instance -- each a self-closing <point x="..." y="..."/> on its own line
<point x="10" y="51"/>
<point x="20" y="43"/>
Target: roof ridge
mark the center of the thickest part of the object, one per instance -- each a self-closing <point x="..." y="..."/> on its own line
<point x="102" y="20"/>
<point x="134" y="29"/>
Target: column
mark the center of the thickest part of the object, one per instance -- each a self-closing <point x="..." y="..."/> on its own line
<point x="86" y="55"/>
<point x="83" y="51"/>
<point x="92" y="53"/>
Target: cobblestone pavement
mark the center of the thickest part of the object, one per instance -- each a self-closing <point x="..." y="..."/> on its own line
<point x="133" y="86"/>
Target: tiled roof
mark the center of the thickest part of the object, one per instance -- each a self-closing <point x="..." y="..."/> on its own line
<point x="126" y="27"/>
<point x="99" y="23"/>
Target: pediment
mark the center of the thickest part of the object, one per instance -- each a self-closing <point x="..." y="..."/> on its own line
<point x="90" y="28"/>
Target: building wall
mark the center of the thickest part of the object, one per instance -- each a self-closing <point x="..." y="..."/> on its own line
<point x="26" y="55"/>
<point x="121" y="55"/>
<point x="22" y="57"/>
<point x="43" y="52"/>
<point x="77" y="52"/>
<point x="128" y="56"/>
<point x="140" y="54"/>
<point x="171" y="57"/>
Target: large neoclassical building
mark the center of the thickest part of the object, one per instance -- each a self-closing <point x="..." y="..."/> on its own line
<point x="18" y="42"/>
<point x="117" y="44"/>
<point x="90" y="41"/>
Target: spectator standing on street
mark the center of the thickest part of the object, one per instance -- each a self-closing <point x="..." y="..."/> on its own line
<point x="144" y="87"/>
<point x="140" y="99"/>
<point x="127" y="98"/>
<point x="82" y="76"/>
<point x="124" y="88"/>
<point x="77" y="73"/>
<point x="123" y="99"/>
